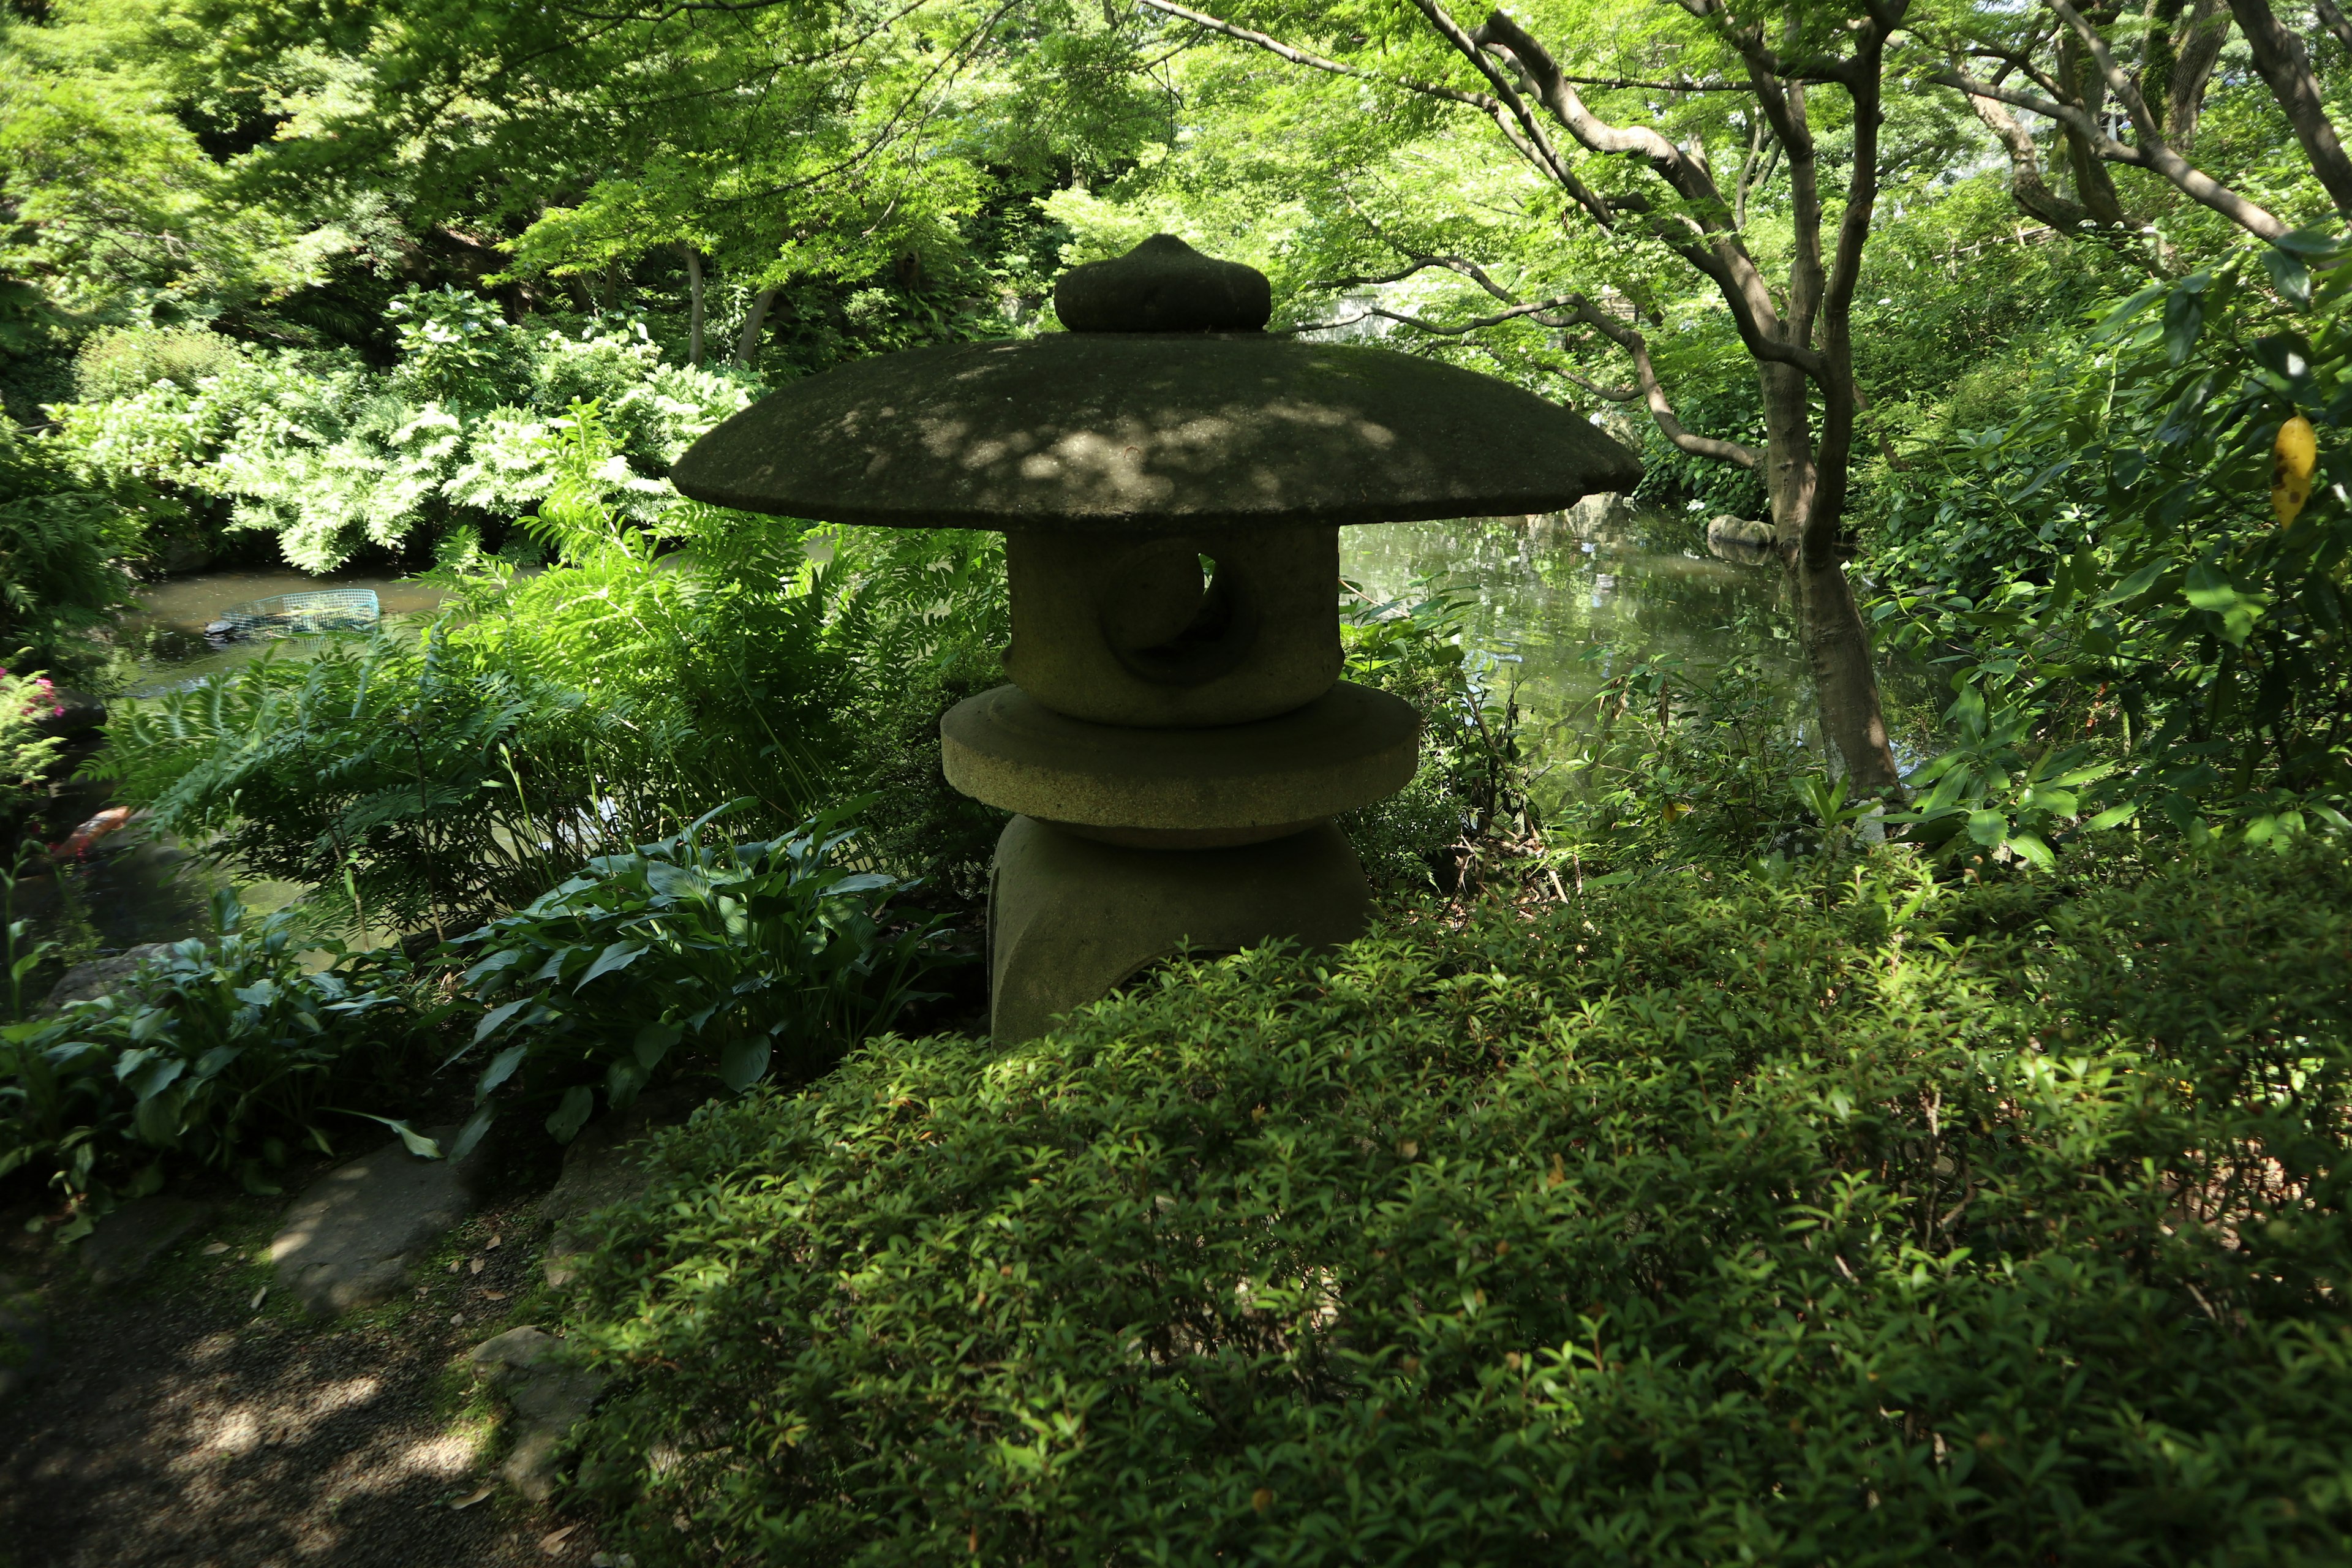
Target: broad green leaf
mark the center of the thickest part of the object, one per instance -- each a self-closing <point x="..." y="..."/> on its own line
<point x="2289" y="276"/>
<point x="743" y="1063"/>
<point x="416" y="1142"/>
<point x="568" y="1118"/>
<point x="500" y="1068"/>
<point x="654" y="1041"/>
<point x="619" y="956"/>
<point x="471" y="1132"/>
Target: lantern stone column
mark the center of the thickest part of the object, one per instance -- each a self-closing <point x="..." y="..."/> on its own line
<point x="1171" y="478"/>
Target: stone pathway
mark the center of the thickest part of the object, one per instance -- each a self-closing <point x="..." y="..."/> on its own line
<point x="353" y="1237"/>
<point x="195" y="1409"/>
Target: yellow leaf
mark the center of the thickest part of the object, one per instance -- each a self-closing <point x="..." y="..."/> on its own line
<point x="2296" y="452"/>
<point x="1262" y="1498"/>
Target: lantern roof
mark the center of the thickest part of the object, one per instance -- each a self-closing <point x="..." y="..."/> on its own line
<point x="1165" y="407"/>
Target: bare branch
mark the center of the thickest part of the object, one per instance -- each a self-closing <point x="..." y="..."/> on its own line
<point x="2285" y="67"/>
<point x="1468" y="46"/>
<point x="1708" y="244"/>
<point x="2153" y="152"/>
<point x="1662" y="412"/>
<point x="2026" y="186"/>
<point x="1539" y="310"/>
<point x="1612" y="394"/>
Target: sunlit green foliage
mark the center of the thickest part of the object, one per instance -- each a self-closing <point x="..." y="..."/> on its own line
<point x="1690" y="1223"/>
<point x="332" y="457"/>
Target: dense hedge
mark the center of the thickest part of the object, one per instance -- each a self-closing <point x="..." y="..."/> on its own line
<point x="1711" y="1221"/>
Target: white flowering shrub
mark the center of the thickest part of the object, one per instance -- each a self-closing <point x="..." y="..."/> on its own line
<point x="332" y="454"/>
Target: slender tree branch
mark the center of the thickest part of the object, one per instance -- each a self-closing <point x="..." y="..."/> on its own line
<point x="2332" y="18"/>
<point x="2154" y="153"/>
<point x="1468" y="48"/>
<point x="1710" y="245"/>
<point x="1537" y="151"/>
<point x="1662" y="412"/>
<point x="2285" y="67"/>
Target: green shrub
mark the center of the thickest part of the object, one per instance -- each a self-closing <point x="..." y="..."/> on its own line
<point x="218" y="1054"/>
<point x="61" y="540"/>
<point x="408" y="784"/>
<point x="122" y="362"/>
<point x="1694" y="1222"/>
<point x="725" y="956"/>
<point x="333" y="456"/>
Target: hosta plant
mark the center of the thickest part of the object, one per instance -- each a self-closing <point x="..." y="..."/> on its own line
<point x="222" y="1054"/>
<point x="690" y="951"/>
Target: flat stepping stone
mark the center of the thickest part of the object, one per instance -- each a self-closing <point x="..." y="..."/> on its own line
<point x="548" y="1395"/>
<point x="124" y="1245"/>
<point x="353" y="1237"/>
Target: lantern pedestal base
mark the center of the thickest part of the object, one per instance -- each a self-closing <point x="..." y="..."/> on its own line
<point x="1070" y="917"/>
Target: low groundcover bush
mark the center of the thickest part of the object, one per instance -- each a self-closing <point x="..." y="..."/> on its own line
<point x="1704" y="1221"/>
<point x="224" y="1054"/>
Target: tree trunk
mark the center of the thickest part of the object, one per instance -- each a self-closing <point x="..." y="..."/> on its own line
<point x="1845" y="681"/>
<point x="694" y="306"/>
<point x="2093" y="186"/>
<point x="748" y="343"/>
<point x="2196" y="51"/>
<point x="2027" y="188"/>
<point x="2332" y="18"/>
<point x="1829" y="626"/>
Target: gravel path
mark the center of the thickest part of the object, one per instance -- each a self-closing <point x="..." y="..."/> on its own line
<point x="181" y="1423"/>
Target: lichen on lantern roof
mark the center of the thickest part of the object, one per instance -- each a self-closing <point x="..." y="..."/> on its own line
<point x="1144" y="430"/>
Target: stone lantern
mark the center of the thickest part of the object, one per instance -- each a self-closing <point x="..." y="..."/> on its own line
<point x="1171" y="480"/>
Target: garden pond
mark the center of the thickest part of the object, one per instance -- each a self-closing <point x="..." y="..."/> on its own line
<point x="1553" y="608"/>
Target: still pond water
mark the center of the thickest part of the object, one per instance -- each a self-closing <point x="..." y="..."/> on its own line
<point x="1554" y="608"/>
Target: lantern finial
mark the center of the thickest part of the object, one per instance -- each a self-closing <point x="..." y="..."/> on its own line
<point x="1163" y="286"/>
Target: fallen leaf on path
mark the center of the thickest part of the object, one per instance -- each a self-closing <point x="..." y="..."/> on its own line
<point x="256" y="1303"/>
<point x="215" y="1248"/>
<point x="470" y="1498"/>
<point x="494" y="1295"/>
<point x="477" y="1268"/>
<point x="553" y="1541"/>
<point x="491" y="1245"/>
